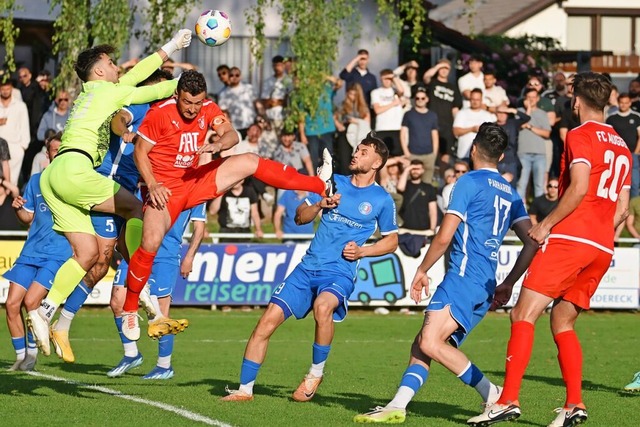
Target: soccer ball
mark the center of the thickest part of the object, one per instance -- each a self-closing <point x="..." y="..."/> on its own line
<point x="213" y="27"/>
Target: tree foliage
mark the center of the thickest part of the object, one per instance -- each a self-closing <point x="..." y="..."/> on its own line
<point x="8" y="36"/>
<point x="84" y="23"/>
<point x="161" y="19"/>
<point x="315" y="29"/>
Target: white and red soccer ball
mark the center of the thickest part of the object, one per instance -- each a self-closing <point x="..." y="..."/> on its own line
<point x="213" y="27"/>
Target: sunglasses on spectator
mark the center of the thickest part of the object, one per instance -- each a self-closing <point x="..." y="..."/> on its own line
<point x="421" y="98"/>
<point x="552" y="186"/>
<point x="460" y="171"/>
<point x="234" y="75"/>
<point x="63" y="99"/>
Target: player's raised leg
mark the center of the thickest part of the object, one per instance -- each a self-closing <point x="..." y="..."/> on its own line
<point x="236" y="168"/>
<point x="256" y="352"/>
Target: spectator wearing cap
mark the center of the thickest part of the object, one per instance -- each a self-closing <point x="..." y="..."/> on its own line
<point x="445" y="101"/>
<point x="419" y="134"/>
<point x="474" y="79"/>
<point x="356" y="71"/>
<point x="239" y="99"/>
<point x="275" y="91"/>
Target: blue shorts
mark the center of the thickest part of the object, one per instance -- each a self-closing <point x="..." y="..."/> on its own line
<point x="468" y="302"/>
<point x="27" y="270"/>
<point x="164" y="275"/>
<point x="299" y="290"/>
<point x="107" y="226"/>
<point x="167" y="269"/>
<point x="120" y="278"/>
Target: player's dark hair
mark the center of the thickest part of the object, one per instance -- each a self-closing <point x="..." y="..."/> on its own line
<point x="491" y="141"/>
<point x="378" y="146"/>
<point x="55" y="137"/>
<point x="156" y="77"/>
<point x="593" y="89"/>
<point x="192" y="82"/>
<point x="88" y="58"/>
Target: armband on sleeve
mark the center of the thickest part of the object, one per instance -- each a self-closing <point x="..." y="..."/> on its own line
<point x="218" y="121"/>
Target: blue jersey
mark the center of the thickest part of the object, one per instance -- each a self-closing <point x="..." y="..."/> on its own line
<point x="488" y="207"/>
<point x="118" y="163"/>
<point x="42" y="241"/>
<point x="172" y="242"/>
<point x="360" y="212"/>
<point x="290" y="202"/>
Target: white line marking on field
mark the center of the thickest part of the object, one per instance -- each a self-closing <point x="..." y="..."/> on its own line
<point x="182" y="412"/>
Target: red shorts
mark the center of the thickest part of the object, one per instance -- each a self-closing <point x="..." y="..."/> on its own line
<point x="568" y="270"/>
<point x="198" y="185"/>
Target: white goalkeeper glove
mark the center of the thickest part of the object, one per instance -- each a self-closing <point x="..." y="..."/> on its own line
<point x="181" y="40"/>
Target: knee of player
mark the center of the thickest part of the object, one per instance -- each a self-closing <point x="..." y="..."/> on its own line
<point x="431" y="346"/>
<point x="323" y="311"/>
<point x="13" y="306"/>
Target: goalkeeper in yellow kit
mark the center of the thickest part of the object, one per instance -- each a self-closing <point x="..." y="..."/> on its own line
<point x="71" y="186"/>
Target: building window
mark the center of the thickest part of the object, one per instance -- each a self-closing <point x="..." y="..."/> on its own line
<point x="579" y="33"/>
<point x="616" y="34"/>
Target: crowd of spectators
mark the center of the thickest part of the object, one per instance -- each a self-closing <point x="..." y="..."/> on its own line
<point x="428" y="121"/>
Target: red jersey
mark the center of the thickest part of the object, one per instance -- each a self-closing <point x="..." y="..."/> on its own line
<point x="600" y="147"/>
<point x="175" y="139"/>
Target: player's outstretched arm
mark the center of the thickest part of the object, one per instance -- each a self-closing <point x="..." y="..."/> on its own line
<point x="148" y="65"/>
<point x="503" y="292"/>
<point x="386" y="245"/>
<point x="579" y="184"/>
<point x="307" y="213"/>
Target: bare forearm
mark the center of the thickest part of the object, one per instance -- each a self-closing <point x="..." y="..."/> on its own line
<point x="196" y="239"/>
<point x="144" y="166"/>
<point x="386" y="245"/>
<point x="307" y="213"/>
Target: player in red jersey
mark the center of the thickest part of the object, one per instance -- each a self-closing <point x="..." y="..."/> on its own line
<point x="576" y="250"/>
<point x="167" y="147"/>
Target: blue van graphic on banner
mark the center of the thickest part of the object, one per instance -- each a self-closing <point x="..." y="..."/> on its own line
<point x="379" y="279"/>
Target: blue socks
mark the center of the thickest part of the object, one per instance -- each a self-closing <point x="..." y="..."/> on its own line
<point x="248" y="374"/>
<point x="413" y="378"/>
<point x="77" y="298"/>
<point x="472" y="376"/>
<point x="320" y="355"/>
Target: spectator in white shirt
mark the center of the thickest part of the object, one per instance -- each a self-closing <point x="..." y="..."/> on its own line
<point x="474" y="79"/>
<point x="467" y="123"/>
<point x="388" y="103"/>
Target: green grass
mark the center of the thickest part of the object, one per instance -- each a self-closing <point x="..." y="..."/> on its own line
<point x="367" y="359"/>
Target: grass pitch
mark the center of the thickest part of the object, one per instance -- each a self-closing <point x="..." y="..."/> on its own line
<point x="367" y="359"/>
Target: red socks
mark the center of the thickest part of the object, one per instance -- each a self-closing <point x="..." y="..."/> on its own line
<point x="570" y="358"/>
<point x="137" y="277"/>
<point x="282" y="176"/>
<point x="518" y="355"/>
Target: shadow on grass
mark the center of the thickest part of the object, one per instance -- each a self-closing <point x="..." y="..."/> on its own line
<point x="23" y="384"/>
<point x="558" y="382"/>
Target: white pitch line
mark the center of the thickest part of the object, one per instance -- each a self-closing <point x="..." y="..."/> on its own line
<point x="182" y="412"/>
